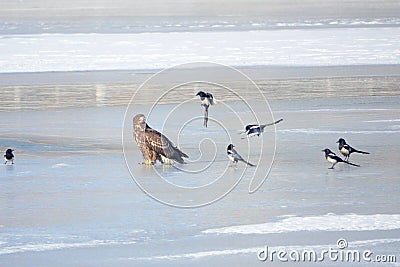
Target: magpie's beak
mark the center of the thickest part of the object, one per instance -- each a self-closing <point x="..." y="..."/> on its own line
<point x="323" y="150"/>
<point x="337" y="142"/>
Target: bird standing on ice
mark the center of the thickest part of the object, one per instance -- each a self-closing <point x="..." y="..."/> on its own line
<point x="9" y="156"/>
<point x="346" y="149"/>
<point x="234" y="156"/>
<point x="154" y="145"/>
<point x="333" y="158"/>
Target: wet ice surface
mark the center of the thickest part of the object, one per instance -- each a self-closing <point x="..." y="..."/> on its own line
<point x="69" y="198"/>
<point x="71" y="89"/>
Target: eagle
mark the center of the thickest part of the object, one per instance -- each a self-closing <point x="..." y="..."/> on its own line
<point x="154" y="145"/>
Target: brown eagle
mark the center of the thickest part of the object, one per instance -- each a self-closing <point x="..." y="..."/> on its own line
<point x="153" y="144"/>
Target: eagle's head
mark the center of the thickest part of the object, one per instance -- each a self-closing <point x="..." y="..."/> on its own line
<point x="139" y="121"/>
<point x="139" y="118"/>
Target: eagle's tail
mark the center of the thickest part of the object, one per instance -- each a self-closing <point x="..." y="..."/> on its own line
<point x="182" y="154"/>
<point x="180" y="160"/>
<point x="179" y="155"/>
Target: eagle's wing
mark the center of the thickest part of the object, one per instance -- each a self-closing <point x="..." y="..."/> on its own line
<point x="163" y="146"/>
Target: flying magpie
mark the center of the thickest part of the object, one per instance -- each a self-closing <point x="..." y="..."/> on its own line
<point x="257" y="129"/>
<point x="234" y="156"/>
<point x="9" y="156"/>
<point x="346" y="149"/>
<point x="207" y="100"/>
<point x="333" y="158"/>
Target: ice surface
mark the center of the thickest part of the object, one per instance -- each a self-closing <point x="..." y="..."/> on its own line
<point x="300" y="47"/>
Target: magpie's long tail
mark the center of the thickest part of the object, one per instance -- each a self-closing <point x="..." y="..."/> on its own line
<point x="205" y="116"/>
<point x="272" y="123"/>
<point x="352" y="164"/>
<point x="361" y="152"/>
<point x="248" y="163"/>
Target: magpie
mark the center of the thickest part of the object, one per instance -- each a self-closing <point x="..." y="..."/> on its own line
<point x="346" y="149"/>
<point x="234" y="156"/>
<point x="257" y="129"/>
<point x="9" y="156"/>
<point x="332" y="158"/>
<point x="207" y="100"/>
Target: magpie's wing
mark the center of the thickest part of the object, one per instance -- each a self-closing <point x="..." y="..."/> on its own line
<point x="255" y="127"/>
<point x="211" y="98"/>
<point x="238" y="157"/>
<point x="352" y="149"/>
<point x="236" y="154"/>
<point x="251" y="126"/>
<point x="247" y="127"/>
<point x="335" y="157"/>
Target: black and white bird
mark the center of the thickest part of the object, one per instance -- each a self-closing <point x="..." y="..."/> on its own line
<point x="207" y="100"/>
<point x="256" y="129"/>
<point x="9" y="156"/>
<point x="346" y="149"/>
<point x="234" y="156"/>
<point x="333" y="158"/>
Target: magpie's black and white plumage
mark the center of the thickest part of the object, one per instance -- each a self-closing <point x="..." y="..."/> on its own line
<point x="256" y="129"/>
<point x="9" y="156"/>
<point x="333" y="158"/>
<point x="234" y="156"/>
<point x="207" y="100"/>
<point x="346" y="149"/>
